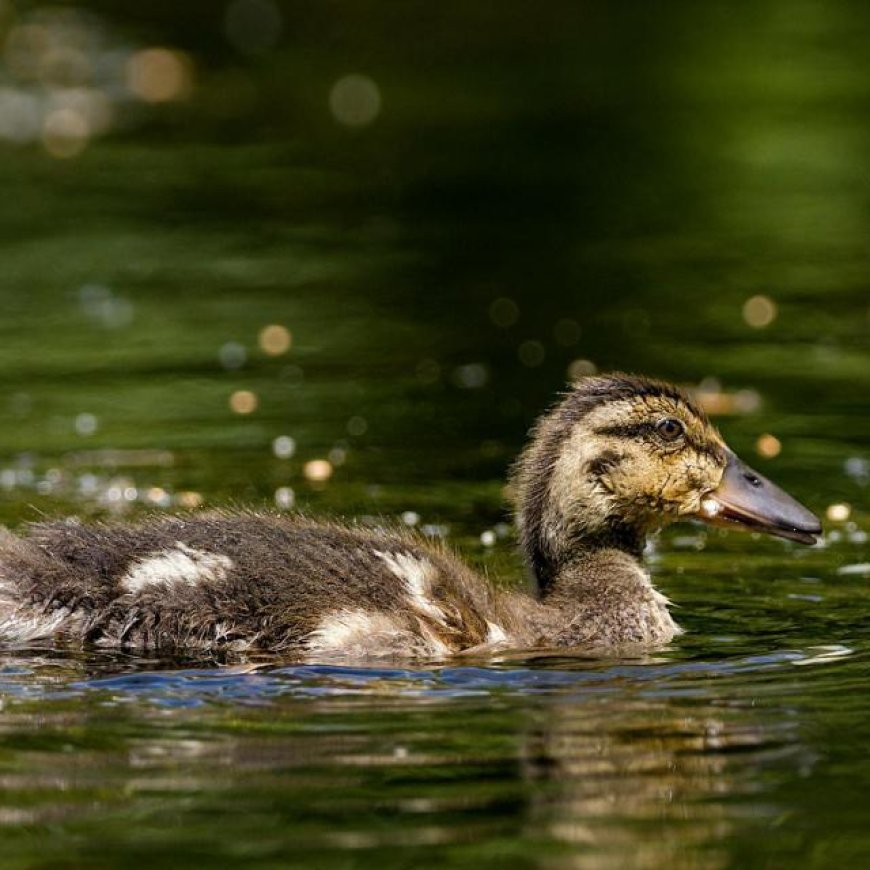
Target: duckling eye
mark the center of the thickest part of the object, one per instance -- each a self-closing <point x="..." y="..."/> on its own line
<point x="670" y="429"/>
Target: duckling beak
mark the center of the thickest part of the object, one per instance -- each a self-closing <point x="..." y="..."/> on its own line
<point x="747" y="499"/>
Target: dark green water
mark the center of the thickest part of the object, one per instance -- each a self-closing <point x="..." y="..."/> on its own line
<point x="626" y="176"/>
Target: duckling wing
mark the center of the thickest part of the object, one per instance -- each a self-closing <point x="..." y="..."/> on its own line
<point x="239" y="581"/>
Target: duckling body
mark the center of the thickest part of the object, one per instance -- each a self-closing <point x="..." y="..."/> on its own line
<point x="257" y="581"/>
<point x="252" y="581"/>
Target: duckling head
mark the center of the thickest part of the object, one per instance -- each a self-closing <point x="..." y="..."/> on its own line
<point x="621" y="456"/>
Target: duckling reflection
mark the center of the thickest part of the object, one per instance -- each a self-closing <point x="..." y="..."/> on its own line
<point x="616" y="459"/>
<point x="606" y="769"/>
<point x="638" y="767"/>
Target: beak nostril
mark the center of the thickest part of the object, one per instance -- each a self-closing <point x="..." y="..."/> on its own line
<point x="753" y="480"/>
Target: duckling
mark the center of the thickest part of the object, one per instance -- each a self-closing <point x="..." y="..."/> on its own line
<point x="617" y="458"/>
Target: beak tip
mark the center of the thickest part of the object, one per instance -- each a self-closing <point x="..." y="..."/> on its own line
<point x="809" y="528"/>
<point x="810" y="537"/>
<point x="747" y="499"/>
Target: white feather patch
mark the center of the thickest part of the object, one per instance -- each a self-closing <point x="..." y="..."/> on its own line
<point x="417" y="575"/>
<point x="495" y="633"/>
<point x="345" y="629"/>
<point x="21" y="622"/>
<point x="28" y="623"/>
<point x="359" y="633"/>
<point x="181" y="566"/>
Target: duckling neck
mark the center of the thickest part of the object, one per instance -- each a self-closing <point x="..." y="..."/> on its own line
<point x="589" y="570"/>
<point x="556" y="557"/>
<point x="603" y="597"/>
<point x="594" y="590"/>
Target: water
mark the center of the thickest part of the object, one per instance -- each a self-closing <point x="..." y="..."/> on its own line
<point x="540" y="190"/>
<point x="687" y="759"/>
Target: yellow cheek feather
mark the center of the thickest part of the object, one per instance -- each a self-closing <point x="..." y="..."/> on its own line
<point x="672" y="483"/>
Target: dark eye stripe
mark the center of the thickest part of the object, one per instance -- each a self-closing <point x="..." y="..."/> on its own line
<point x="645" y="429"/>
<point x="627" y="430"/>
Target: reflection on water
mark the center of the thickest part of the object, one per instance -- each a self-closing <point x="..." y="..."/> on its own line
<point x="619" y="767"/>
<point x="573" y="764"/>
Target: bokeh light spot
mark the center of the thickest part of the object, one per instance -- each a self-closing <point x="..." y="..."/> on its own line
<point x="26" y="44"/>
<point x="243" y="402"/>
<point x="20" y="116"/>
<point x="158" y="496"/>
<point x="160" y="75"/>
<point x="759" y="311"/>
<point x="747" y="401"/>
<point x="504" y="312"/>
<point x="189" y="500"/>
<point x="838" y="513"/>
<point x="64" y="66"/>
<point x="355" y="100"/>
<point x="338" y="455"/>
<point x="86" y="424"/>
<point x="232" y="355"/>
<point x="581" y="368"/>
<point x="284" y="446"/>
<point x="531" y="353"/>
<point x="275" y="339"/>
<point x="285" y="498"/>
<point x="93" y="105"/>
<point x="472" y="376"/>
<point x="768" y="446"/>
<point x="318" y="470"/>
<point x="65" y="133"/>
<point x="858" y="468"/>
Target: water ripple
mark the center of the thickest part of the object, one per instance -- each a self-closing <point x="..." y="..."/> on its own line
<point x="261" y="684"/>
